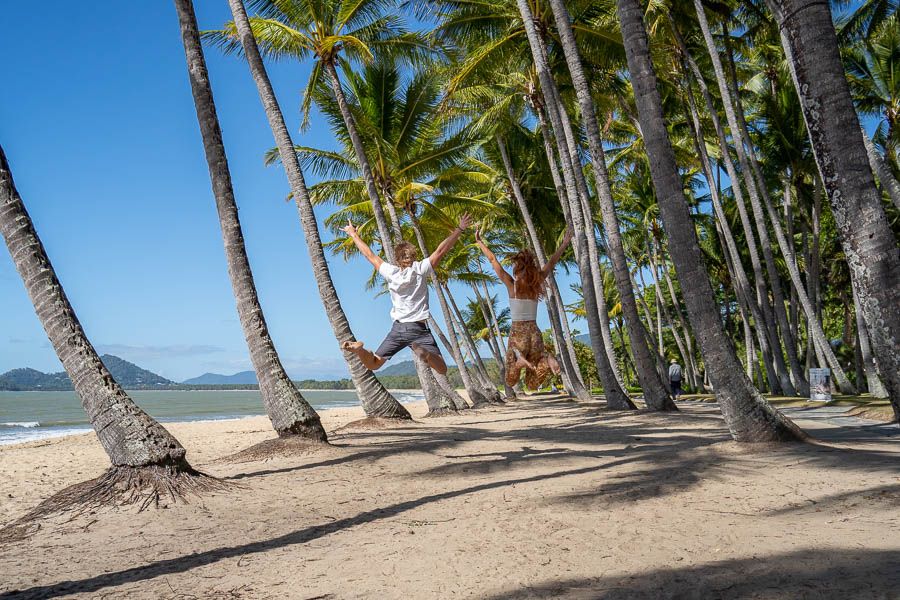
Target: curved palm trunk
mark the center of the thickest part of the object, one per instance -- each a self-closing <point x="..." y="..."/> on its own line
<point x="480" y="369"/>
<point x="492" y="341"/>
<point x="743" y="290"/>
<point x="130" y="437"/>
<point x="810" y="43"/>
<point x="873" y="382"/>
<point x="744" y="154"/>
<point x="748" y="416"/>
<point x="566" y="353"/>
<point x="779" y="380"/>
<point x="655" y="394"/>
<point x="287" y="409"/>
<point x="880" y="168"/>
<point x="376" y="400"/>
<point x="359" y="149"/>
<point x="616" y="397"/>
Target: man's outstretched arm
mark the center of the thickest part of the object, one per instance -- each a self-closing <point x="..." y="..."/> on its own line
<point x="364" y="249"/>
<point x="444" y="247"/>
<point x="505" y="277"/>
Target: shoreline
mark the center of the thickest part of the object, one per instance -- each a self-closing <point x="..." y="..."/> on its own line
<point x="31" y="431"/>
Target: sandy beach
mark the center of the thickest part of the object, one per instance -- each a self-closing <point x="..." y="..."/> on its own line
<point x="542" y="498"/>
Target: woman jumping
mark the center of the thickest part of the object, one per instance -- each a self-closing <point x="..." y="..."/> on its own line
<point x="408" y="285"/>
<point x="526" y="287"/>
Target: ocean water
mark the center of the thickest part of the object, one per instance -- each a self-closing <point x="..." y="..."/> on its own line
<point x="26" y="416"/>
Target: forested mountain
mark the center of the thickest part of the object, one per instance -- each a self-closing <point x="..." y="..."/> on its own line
<point x="127" y="374"/>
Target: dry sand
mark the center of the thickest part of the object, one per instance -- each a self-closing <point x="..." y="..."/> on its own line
<point x="542" y="498"/>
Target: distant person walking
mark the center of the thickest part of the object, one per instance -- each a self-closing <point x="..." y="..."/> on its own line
<point x="675" y="377"/>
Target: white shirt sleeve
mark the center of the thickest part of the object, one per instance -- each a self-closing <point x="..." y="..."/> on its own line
<point x="423" y="267"/>
<point x="387" y="270"/>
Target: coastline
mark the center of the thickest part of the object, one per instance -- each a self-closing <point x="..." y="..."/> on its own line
<point x="33" y="427"/>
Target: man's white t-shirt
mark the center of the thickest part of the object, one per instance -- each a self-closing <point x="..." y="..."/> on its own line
<point x="409" y="290"/>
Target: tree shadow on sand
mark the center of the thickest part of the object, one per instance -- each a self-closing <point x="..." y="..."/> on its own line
<point x="665" y="454"/>
<point x="801" y="575"/>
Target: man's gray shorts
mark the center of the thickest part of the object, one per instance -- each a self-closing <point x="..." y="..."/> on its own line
<point x="402" y="335"/>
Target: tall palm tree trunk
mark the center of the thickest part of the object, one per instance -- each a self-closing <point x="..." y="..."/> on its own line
<point x="360" y="151"/>
<point x="130" y="437"/>
<point x="779" y="379"/>
<point x="873" y="382"/>
<point x="616" y="397"/>
<point x="743" y="290"/>
<point x="748" y="416"/>
<point x="563" y="344"/>
<point x="470" y="343"/>
<point x="376" y="400"/>
<point x="809" y="40"/>
<point x="755" y="192"/>
<point x="287" y="409"/>
<point x="655" y="394"/>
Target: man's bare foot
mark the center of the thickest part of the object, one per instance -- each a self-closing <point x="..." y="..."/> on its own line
<point x="351" y="346"/>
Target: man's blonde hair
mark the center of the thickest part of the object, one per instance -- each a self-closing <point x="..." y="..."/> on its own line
<point x="405" y="252"/>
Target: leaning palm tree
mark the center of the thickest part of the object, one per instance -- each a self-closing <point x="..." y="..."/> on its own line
<point x="290" y="413"/>
<point x="809" y="40"/>
<point x="147" y="461"/>
<point x="748" y="416"/>
<point x="334" y="32"/>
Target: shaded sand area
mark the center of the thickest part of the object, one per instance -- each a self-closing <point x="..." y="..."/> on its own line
<point x="537" y="499"/>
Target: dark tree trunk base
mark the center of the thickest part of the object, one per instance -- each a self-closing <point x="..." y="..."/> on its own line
<point x="375" y="424"/>
<point x="119" y="486"/>
<point x="441" y="412"/>
<point x="283" y="446"/>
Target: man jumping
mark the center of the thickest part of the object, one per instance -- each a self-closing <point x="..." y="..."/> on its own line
<point x="407" y="283"/>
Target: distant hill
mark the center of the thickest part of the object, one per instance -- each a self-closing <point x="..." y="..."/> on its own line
<point x="129" y="375"/>
<point x="407" y="367"/>
<point x="242" y="378"/>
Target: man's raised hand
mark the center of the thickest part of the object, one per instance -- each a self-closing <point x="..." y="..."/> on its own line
<point x="349" y="229"/>
<point x="465" y="221"/>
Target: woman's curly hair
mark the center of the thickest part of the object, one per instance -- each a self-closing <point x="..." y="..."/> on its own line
<point x="529" y="280"/>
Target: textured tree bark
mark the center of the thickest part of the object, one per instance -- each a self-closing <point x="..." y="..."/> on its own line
<point x="748" y="416"/>
<point x="489" y="386"/>
<point x="655" y="394"/>
<point x="616" y="397"/>
<point x="492" y="340"/>
<point x="870" y="369"/>
<point x="375" y="399"/>
<point x="287" y="409"/>
<point x="809" y="40"/>
<point x="130" y="437"/>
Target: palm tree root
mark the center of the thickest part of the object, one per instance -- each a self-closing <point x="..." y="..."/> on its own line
<point x="441" y="412"/>
<point x="286" y="446"/>
<point x="146" y="487"/>
<point x="375" y="424"/>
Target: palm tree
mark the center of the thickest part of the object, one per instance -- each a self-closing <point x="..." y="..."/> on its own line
<point x="376" y="401"/>
<point x="655" y="394"/>
<point x="147" y="460"/>
<point x="331" y="30"/>
<point x="748" y="416"/>
<point x="290" y="413"/>
<point x="810" y="43"/>
<point x="575" y="189"/>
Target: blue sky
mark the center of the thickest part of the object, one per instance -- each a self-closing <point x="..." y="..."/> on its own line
<point x="97" y="121"/>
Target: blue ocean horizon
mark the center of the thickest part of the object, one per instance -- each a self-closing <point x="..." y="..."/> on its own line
<point x="30" y="416"/>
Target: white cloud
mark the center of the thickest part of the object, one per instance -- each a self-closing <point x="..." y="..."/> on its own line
<point x="135" y="353"/>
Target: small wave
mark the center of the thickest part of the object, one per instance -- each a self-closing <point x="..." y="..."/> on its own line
<point x="17" y="437"/>
<point x="28" y="424"/>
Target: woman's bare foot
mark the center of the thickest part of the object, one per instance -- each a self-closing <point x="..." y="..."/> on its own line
<point x="351" y="346"/>
<point x="521" y="361"/>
